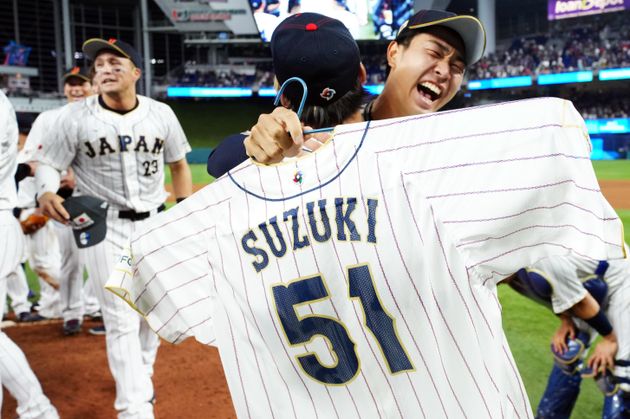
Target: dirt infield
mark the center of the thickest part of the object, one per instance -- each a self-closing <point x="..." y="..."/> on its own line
<point x="189" y="381"/>
<point x="616" y="191"/>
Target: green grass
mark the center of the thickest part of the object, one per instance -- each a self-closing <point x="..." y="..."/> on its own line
<point x="612" y="169"/>
<point x="206" y="123"/>
<point x="529" y="327"/>
<point x="199" y="174"/>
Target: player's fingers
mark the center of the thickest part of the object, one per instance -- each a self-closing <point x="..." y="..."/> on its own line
<point x="257" y="153"/>
<point x="59" y="208"/>
<point x="292" y="125"/>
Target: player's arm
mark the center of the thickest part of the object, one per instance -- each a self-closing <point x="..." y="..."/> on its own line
<point x="48" y="180"/>
<point x="182" y="179"/>
<point x="56" y="151"/>
<point x="589" y="310"/>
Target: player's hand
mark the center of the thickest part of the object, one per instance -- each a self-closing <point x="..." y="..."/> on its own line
<point x="50" y="203"/>
<point x="603" y="357"/>
<point x="275" y="136"/>
<point x="566" y="330"/>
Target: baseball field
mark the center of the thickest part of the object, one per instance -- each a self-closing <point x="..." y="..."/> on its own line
<point x="189" y="381"/>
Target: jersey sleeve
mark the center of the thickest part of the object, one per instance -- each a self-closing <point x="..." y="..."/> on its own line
<point x="514" y="184"/>
<point x="163" y="274"/>
<point x="34" y="139"/>
<point x="8" y="143"/>
<point x="59" y="143"/>
<point x="567" y="288"/>
<point x="176" y="145"/>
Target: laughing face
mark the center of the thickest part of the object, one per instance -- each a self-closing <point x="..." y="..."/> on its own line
<point x="427" y="72"/>
<point x="76" y="88"/>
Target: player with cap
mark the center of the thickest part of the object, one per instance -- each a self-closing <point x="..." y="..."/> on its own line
<point x="118" y="143"/>
<point x="285" y="267"/>
<point x="15" y="373"/>
<point x="426" y="64"/>
<point x="300" y="48"/>
<point x="64" y="267"/>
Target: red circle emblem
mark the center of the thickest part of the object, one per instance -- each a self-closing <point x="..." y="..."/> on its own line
<point x="311" y="27"/>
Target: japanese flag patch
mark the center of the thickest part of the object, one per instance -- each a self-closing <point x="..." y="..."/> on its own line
<point x="81" y="221"/>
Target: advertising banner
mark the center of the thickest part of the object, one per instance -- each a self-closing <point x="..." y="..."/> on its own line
<point x="562" y="9"/>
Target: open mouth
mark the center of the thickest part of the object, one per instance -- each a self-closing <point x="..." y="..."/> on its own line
<point x="429" y="90"/>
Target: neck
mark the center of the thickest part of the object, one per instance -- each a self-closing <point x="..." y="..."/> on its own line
<point x="383" y="108"/>
<point x="120" y="101"/>
<point x="355" y="117"/>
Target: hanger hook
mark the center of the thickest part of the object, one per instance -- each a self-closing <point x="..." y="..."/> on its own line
<point x="304" y="93"/>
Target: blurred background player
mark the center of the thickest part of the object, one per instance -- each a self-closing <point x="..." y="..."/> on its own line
<point x="15" y="373"/>
<point x="54" y="252"/>
<point x="590" y="297"/>
<point x="117" y="142"/>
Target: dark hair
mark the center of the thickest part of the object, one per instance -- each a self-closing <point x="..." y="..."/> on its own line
<point x="406" y="38"/>
<point x="334" y="114"/>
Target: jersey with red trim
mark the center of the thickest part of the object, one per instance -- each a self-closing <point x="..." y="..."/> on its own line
<point x="361" y="280"/>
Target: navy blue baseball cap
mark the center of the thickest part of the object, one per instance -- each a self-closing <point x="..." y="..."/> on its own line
<point x="469" y="28"/>
<point x="76" y="73"/>
<point x="88" y="219"/>
<point x="321" y="51"/>
<point x="92" y="47"/>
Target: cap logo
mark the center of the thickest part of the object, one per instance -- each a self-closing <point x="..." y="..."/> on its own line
<point x="82" y="221"/>
<point x="328" y="93"/>
<point x="84" y="238"/>
<point x="311" y="27"/>
<point x="111" y="40"/>
<point x="75" y="70"/>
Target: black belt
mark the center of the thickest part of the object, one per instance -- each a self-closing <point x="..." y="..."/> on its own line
<point x="137" y="216"/>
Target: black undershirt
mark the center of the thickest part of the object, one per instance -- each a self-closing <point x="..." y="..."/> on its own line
<point x="104" y="105"/>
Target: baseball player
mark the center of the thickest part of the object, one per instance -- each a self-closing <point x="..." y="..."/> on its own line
<point x="562" y="284"/>
<point x="427" y="62"/>
<point x="117" y="143"/>
<point x="15" y="373"/>
<point x="361" y="279"/>
<point x="75" y="299"/>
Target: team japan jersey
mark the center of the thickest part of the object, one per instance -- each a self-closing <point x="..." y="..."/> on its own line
<point x="360" y="281"/>
<point x="118" y="158"/>
<point x="42" y="126"/>
<point x="8" y="153"/>
<point x="566" y="275"/>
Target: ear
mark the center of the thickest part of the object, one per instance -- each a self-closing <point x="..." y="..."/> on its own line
<point x="362" y="73"/>
<point x="393" y="51"/>
<point x="137" y="73"/>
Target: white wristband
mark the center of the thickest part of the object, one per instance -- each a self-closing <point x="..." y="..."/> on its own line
<point x="47" y="179"/>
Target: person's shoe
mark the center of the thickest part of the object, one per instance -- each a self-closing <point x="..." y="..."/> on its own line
<point x="71" y="327"/>
<point x="95" y="317"/>
<point x="31" y="317"/>
<point x="97" y="331"/>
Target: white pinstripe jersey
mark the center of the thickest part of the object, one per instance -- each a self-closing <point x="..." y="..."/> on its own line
<point x="361" y="281"/>
<point x="567" y="273"/>
<point x="8" y="153"/>
<point x="119" y="158"/>
<point x="42" y="126"/>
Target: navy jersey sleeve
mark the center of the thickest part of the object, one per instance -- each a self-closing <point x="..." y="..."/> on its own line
<point x="227" y="155"/>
